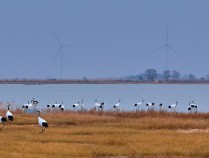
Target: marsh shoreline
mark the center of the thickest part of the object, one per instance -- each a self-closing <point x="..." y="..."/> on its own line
<point x="95" y="81"/>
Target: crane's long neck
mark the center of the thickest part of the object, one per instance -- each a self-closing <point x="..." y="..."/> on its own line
<point x="39" y="113"/>
<point x="8" y="107"/>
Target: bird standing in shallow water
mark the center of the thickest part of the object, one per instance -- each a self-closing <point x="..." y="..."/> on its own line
<point x="150" y="106"/>
<point x="102" y="105"/>
<point x="97" y="105"/>
<point x="161" y="106"/>
<point x="76" y="105"/>
<point x="173" y="106"/>
<point x="193" y="107"/>
<point x="116" y="106"/>
<point x="139" y="104"/>
<point x="9" y="114"/>
<point x="43" y="124"/>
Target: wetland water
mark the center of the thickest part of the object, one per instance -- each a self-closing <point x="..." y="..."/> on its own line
<point x="129" y="94"/>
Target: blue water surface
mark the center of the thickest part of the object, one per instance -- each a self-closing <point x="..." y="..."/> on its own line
<point x="129" y="94"/>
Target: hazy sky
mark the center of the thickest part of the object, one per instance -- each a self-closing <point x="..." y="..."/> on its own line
<point x="113" y="38"/>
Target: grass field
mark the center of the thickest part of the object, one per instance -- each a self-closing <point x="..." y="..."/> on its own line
<point x="107" y="134"/>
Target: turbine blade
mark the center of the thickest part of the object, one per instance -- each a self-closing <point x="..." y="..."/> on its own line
<point x="172" y="49"/>
<point x="60" y="48"/>
<point x="158" y="48"/>
<point x="57" y="38"/>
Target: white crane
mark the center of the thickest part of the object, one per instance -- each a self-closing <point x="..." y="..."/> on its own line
<point x="116" y="106"/>
<point x="102" y="105"/>
<point x="99" y="105"/>
<point x="31" y="105"/>
<point x="34" y="102"/>
<point x="25" y="106"/>
<point x="76" y="105"/>
<point x="56" y="106"/>
<point x="193" y="107"/>
<point x="173" y="106"/>
<point x="150" y="106"/>
<point x="9" y="114"/>
<point x="139" y="104"/>
<point x="160" y="106"/>
<point x="43" y="124"/>
<point x="3" y="120"/>
<point x="62" y="108"/>
<point x="96" y="104"/>
<point x="189" y="108"/>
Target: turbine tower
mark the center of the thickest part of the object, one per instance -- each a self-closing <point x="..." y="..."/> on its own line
<point x="60" y="51"/>
<point x="167" y="46"/>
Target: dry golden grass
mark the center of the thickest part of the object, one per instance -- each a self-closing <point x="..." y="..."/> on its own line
<point x="107" y="134"/>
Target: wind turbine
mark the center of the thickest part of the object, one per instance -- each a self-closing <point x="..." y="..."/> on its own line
<point x="167" y="46"/>
<point x="60" y="51"/>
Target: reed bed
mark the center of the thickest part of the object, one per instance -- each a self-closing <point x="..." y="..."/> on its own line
<point x="116" y="134"/>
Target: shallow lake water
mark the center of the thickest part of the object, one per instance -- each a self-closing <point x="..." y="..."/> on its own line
<point x="129" y="94"/>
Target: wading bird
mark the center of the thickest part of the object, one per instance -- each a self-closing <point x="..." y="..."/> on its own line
<point x="116" y="106"/>
<point x="139" y="104"/>
<point x="99" y="106"/>
<point x="43" y="124"/>
<point x="31" y="105"/>
<point x="193" y="107"/>
<point x="102" y="105"/>
<point x="56" y="106"/>
<point x="96" y="104"/>
<point x="150" y="106"/>
<point x="76" y="105"/>
<point x="9" y="114"/>
<point x="161" y="106"/>
<point x="173" y="106"/>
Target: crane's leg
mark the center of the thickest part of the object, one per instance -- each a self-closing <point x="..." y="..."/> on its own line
<point x="42" y="130"/>
<point x="2" y="127"/>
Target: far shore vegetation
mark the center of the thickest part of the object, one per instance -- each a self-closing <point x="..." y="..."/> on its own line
<point x="149" y="76"/>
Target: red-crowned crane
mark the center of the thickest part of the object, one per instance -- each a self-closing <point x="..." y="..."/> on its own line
<point x="9" y="114"/>
<point x="173" y="106"/>
<point x="116" y="106"/>
<point x="43" y="124"/>
<point x="137" y="105"/>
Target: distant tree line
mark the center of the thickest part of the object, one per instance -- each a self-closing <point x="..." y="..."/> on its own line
<point x="167" y="75"/>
